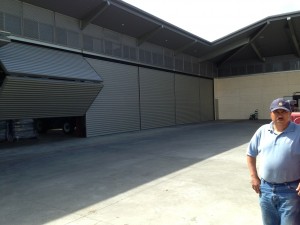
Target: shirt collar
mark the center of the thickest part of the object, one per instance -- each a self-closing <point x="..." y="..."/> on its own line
<point x="290" y="128"/>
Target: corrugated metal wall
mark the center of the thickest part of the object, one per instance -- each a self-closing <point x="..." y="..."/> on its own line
<point x="116" y="109"/>
<point x="187" y="91"/>
<point x="24" y="97"/>
<point x="157" y="96"/>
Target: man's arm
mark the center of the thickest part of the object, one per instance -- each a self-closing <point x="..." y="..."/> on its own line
<point x="298" y="189"/>
<point x="255" y="181"/>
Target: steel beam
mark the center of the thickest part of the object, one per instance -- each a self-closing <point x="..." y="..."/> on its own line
<point x="293" y="35"/>
<point x="94" y="14"/>
<point x="148" y="35"/>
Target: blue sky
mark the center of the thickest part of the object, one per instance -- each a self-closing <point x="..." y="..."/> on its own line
<point x="213" y="19"/>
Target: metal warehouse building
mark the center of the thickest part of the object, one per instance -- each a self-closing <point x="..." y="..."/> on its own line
<point x="114" y="68"/>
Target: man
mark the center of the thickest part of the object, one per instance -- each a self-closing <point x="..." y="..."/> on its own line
<point x="278" y="183"/>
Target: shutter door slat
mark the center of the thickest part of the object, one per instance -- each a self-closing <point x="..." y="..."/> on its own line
<point x="206" y="99"/>
<point x="187" y="99"/>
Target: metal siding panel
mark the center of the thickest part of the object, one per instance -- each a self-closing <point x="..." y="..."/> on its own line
<point x="187" y="99"/>
<point x="42" y="62"/>
<point x="206" y="100"/>
<point x="157" y="98"/>
<point x="23" y="97"/>
<point x="11" y="7"/>
<point x="38" y="14"/>
<point x="116" y="109"/>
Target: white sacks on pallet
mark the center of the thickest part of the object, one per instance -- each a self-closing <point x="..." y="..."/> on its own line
<point x="13" y="130"/>
<point x="23" y="129"/>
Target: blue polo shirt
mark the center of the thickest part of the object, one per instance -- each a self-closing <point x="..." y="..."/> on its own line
<point x="279" y="153"/>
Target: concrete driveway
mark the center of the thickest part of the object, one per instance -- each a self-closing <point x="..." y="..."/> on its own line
<point x="184" y="175"/>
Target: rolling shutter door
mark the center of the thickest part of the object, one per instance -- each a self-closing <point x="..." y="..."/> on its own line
<point x="157" y="98"/>
<point x="187" y="99"/>
<point x="116" y="109"/>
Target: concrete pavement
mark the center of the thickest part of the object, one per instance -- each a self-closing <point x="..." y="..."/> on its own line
<point x="184" y="175"/>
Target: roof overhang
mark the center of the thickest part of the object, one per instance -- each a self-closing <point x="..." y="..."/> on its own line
<point x="280" y="37"/>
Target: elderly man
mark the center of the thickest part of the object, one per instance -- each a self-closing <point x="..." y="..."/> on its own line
<point x="278" y="183"/>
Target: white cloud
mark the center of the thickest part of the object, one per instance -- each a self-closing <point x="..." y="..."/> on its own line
<point x="213" y="19"/>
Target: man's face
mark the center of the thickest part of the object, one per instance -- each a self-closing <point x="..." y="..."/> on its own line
<point x="280" y="116"/>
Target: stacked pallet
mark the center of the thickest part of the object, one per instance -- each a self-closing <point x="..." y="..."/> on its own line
<point x="3" y="131"/>
<point x="23" y="129"/>
<point x="14" y="130"/>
